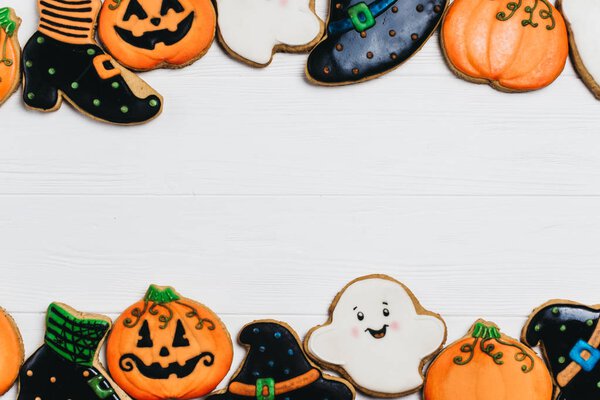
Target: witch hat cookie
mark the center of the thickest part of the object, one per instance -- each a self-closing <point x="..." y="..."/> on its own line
<point x="62" y="60"/>
<point x="10" y="53"/>
<point x="367" y="39"/>
<point x="67" y="365"/>
<point x="276" y="368"/>
<point x="569" y="335"/>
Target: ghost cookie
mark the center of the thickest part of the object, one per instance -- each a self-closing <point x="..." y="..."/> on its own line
<point x="168" y="347"/>
<point x="367" y="39"/>
<point x="11" y="351"/>
<point x="378" y="336"/>
<point x="254" y="30"/>
<point x="569" y="335"/>
<point x="276" y="368"/>
<point x="10" y="55"/>
<point x="149" y="34"/>
<point x="67" y="365"/>
<point x="583" y="37"/>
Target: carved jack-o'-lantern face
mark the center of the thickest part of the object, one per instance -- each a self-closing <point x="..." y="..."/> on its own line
<point x="10" y="53"/>
<point x="147" y="34"/>
<point x="168" y="347"/>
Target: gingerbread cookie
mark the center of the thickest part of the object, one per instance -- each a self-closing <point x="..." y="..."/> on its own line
<point x="149" y="34"/>
<point x="11" y="351"/>
<point x="569" y="336"/>
<point x="367" y="39"/>
<point x="512" y="46"/>
<point x="276" y="368"/>
<point x="10" y="55"/>
<point x="67" y="365"/>
<point x="63" y="61"/>
<point x="168" y="347"/>
<point x="487" y="365"/>
<point x="378" y="336"/>
<point x="583" y="38"/>
<point x="254" y="30"/>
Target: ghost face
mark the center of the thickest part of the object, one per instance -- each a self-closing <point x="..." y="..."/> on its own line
<point x="377" y="336"/>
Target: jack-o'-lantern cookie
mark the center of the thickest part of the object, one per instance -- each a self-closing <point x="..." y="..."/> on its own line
<point x="66" y="366"/>
<point x="168" y="347"/>
<point x="584" y="30"/>
<point x="10" y="55"/>
<point x="487" y="365"/>
<point x="514" y="46"/>
<point x="569" y="335"/>
<point x="366" y="39"/>
<point x="63" y="61"/>
<point x="11" y="351"/>
<point x="149" y="34"/>
<point x="378" y="336"/>
<point x="276" y="368"/>
<point x="253" y="30"/>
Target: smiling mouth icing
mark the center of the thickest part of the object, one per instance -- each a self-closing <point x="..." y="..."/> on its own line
<point x="377" y="334"/>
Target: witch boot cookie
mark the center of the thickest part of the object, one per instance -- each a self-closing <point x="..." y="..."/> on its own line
<point x="67" y="365"/>
<point x="366" y="39"/>
<point x="276" y="368"/>
<point x="62" y="60"/>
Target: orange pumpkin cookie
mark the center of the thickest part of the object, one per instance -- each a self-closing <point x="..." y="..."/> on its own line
<point x="487" y="365"/>
<point x="149" y="34"/>
<point x="514" y="46"/>
<point x="168" y="347"/>
<point x="11" y="351"/>
<point x="10" y="56"/>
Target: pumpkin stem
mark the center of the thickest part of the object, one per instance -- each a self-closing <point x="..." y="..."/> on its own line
<point x="161" y="294"/>
<point x="483" y="331"/>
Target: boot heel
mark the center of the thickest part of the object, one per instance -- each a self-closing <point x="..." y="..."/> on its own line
<point x="40" y="95"/>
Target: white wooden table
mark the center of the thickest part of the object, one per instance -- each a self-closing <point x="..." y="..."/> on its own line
<point x="261" y="195"/>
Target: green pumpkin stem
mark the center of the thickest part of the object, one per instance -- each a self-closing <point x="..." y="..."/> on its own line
<point x="483" y="331"/>
<point x="161" y="295"/>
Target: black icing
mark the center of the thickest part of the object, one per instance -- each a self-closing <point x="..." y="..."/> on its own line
<point x="73" y="63"/>
<point x="150" y="39"/>
<point x="275" y="353"/>
<point x="49" y="376"/>
<point x="557" y="328"/>
<point x="398" y="33"/>
<point x="129" y="362"/>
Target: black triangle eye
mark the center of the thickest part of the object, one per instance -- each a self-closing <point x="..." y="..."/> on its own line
<point x="180" y="340"/>
<point x="145" y="339"/>
<point x="134" y="8"/>
<point x="167" y="5"/>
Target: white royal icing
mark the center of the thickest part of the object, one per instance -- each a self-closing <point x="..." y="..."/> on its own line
<point x="583" y="19"/>
<point x="390" y="364"/>
<point x="252" y="28"/>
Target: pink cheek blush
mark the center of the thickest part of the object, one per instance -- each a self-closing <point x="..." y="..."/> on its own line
<point x="395" y="325"/>
<point x="355" y="332"/>
<point x="283" y="3"/>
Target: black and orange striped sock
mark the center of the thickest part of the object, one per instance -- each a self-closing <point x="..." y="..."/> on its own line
<point x="69" y="21"/>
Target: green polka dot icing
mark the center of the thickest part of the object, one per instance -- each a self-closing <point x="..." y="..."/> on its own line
<point x="555" y="310"/>
<point x="589" y="322"/>
<point x="40" y="40"/>
<point x="124" y="109"/>
<point x="74" y="85"/>
<point x="96" y="102"/>
<point x="30" y="96"/>
<point x="28" y="64"/>
<point x="115" y="85"/>
<point x="51" y="71"/>
<point x="563" y="328"/>
<point x="561" y="360"/>
<point x="538" y="328"/>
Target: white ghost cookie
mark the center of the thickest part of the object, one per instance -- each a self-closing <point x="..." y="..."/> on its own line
<point x="378" y="336"/>
<point x="253" y="30"/>
<point x="584" y="30"/>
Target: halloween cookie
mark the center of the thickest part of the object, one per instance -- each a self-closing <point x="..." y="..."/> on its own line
<point x="11" y="351"/>
<point x="276" y="368"/>
<point x="487" y="365"/>
<point x="569" y="335"/>
<point x="149" y="34"/>
<point x="378" y="336"/>
<point x="10" y="55"/>
<point x="514" y="46"/>
<point x="583" y="37"/>
<point x="63" y="61"/>
<point x="367" y="39"/>
<point x="168" y="347"/>
<point x="253" y="30"/>
<point x="67" y="365"/>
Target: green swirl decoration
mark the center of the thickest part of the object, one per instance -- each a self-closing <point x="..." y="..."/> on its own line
<point x="115" y="5"/>
<point x="544" y="12"/>
<point x="486" y="336"/>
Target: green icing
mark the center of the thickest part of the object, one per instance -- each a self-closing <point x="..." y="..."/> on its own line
<point x="6" y="22"/>
<point x="161" y="295"/>
<point x="544" y="12"/>
<point x="101" y="392"/>
<point x="267" y="383"/>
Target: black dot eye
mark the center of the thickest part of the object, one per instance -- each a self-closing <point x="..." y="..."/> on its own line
<point x="386" y="312"/>
<point x="360" y="316"/>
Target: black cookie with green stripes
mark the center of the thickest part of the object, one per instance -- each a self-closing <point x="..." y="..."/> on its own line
<point x="569" y="335"/>
<point x="66" y="366"/>
<point x="366" y="39"/>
